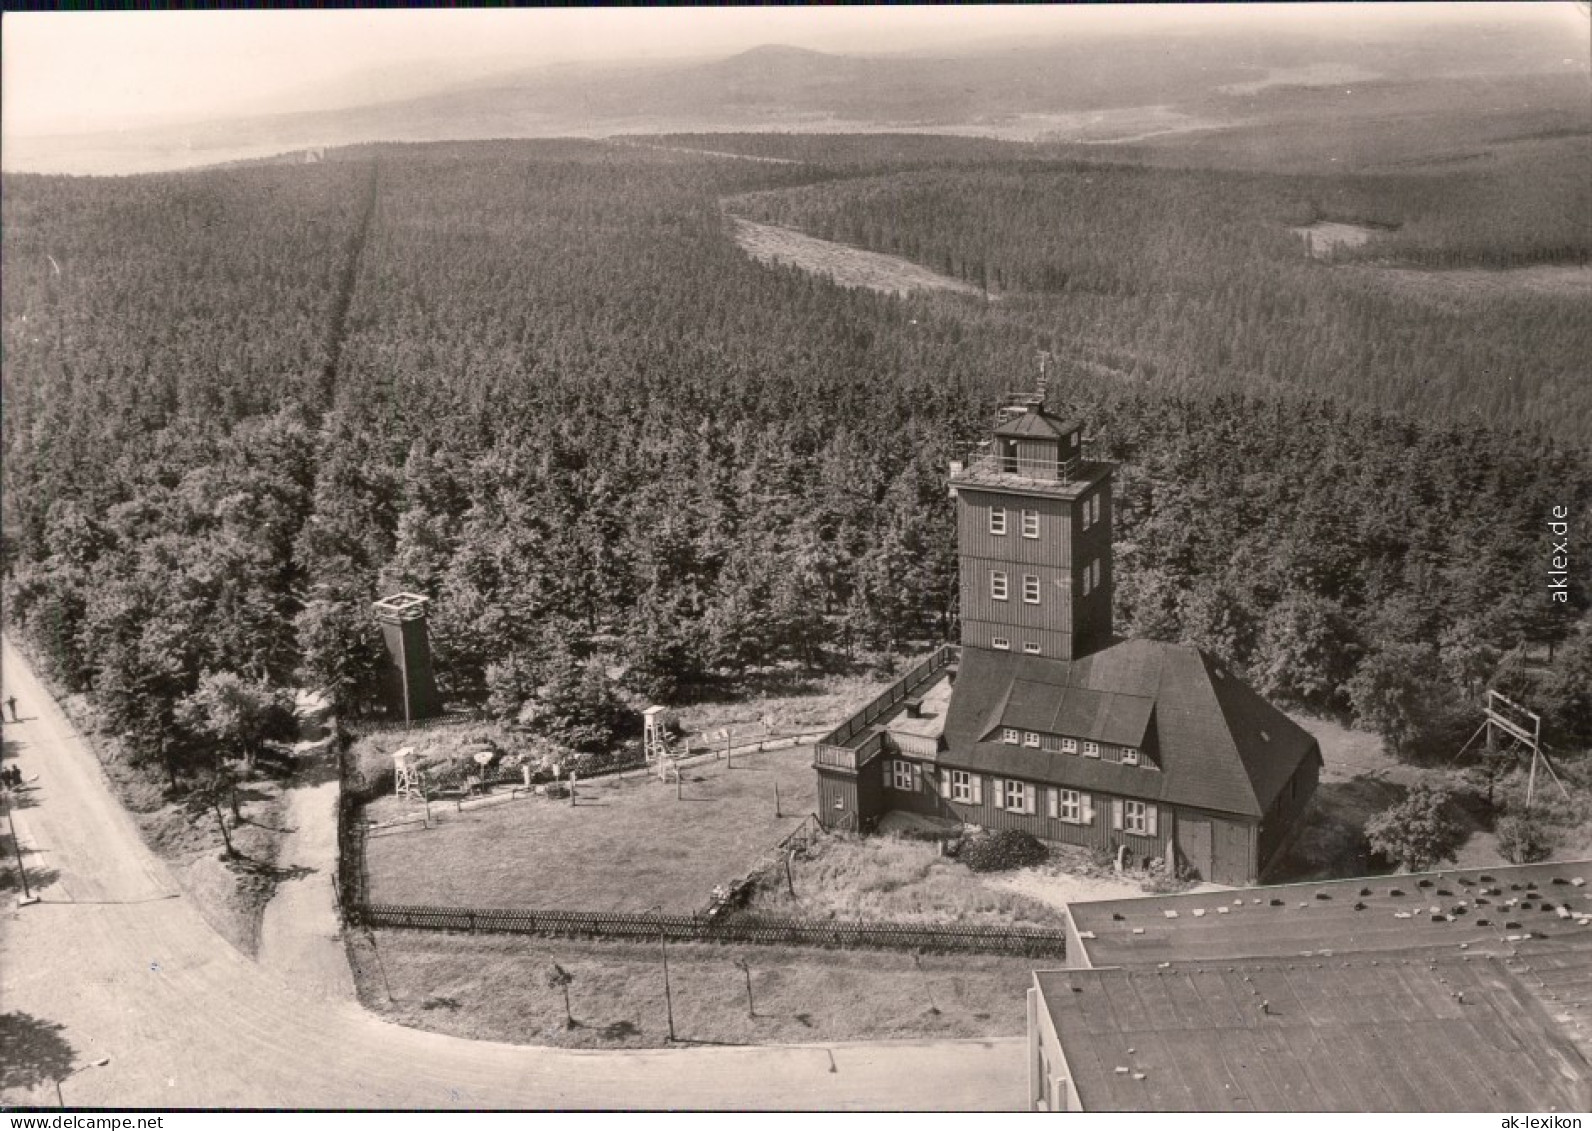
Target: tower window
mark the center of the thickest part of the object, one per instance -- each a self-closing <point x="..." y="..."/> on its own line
<point x="1031" y="647"/>
<point x="997" y="520"/>
<point x="1001" y="643"/>
<point x="997" y="585"/>
<point x="1030" y="589"/>
<point x="1030" y="524"/>
<point x="1086" y="586"/>
<point x="1085" y="514"/>
<point x="1094" y="568"/>
<point x="1094" y="508"/>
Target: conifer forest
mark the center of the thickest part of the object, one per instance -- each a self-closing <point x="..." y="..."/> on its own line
<point x="540" y="383"/>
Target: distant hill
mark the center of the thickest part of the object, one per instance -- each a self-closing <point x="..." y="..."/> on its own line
<point x="1113" y="88"/>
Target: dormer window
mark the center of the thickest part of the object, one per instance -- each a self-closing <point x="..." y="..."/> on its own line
<point x="1130" y="756"/>
<point x="1030" y="524"/>
<point x="1069" y="746"/>
<point x="997" y="520"/>
<point x="1030" y="738"/>
<point x="1011" y="736"/>
<point x="1091" y="750"/>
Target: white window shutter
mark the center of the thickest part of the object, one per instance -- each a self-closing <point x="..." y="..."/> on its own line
<point x="945" y="783"/>
<point x="1149" y="817"/>
<point x="1055" y="802"/>
<point x="917" y="778"/>
<point x="1116" y="812"/>
<point x="1031" y="799"/>
<point x="1000" y="792"/>
<point x="1086" y="801"/>
<point x="978" y="789"/>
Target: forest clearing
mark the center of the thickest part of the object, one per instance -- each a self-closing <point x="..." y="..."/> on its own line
<point x="844" y="266"/>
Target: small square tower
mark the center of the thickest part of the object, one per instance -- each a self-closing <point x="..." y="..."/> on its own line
<point x="411" y="688"/>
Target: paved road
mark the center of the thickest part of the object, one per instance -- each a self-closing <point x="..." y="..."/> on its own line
<point x="130" y="970"/>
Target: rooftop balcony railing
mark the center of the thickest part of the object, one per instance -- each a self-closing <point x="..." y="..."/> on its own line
<point x="991" y="465"/>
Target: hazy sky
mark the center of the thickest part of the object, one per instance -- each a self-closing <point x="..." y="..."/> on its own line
<point x="77" y="71"/>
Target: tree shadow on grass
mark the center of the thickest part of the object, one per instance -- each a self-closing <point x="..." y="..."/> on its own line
<point x="272" y="872"/>
<point x="32" y="1052"/>
<point x="38" y="878"/>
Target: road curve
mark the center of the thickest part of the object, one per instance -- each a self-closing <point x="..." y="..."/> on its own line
<point x="125" y="964"/>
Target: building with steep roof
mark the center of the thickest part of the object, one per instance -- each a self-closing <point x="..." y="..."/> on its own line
<point x="1043" y="720"/>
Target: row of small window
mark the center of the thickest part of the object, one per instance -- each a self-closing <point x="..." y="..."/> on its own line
<point x="1089" y="511"/>
<point x="1000" y="584"/>
<point x="1004" y="644"/>
<point x="1073" y="806"/>
<point x="1011" y="736"/>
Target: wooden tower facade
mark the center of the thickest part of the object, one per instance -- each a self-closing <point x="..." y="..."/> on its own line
<point x="1034" y="539"/>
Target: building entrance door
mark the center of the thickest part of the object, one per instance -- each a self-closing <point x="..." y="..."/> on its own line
<point x="1194" y="841"/>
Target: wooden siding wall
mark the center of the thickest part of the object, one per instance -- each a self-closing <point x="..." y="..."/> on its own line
<point x="1282" y="822"/>
<point x="1100" y="834"/>
<point x="837" y="800"/>
<point x="1057" y="524"/>
<point x="982" y="634"/>
<point x="1065" y="623"/>
<point x="1054" y="610"/>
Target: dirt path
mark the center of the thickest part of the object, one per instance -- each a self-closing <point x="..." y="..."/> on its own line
<point x="300" y="935"/>
<point x="130" y="972"/>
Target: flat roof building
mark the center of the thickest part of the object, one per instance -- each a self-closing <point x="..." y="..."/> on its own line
<point x="1461" y="990"/>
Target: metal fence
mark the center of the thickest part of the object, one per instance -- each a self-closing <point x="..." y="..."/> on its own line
<point x="764" y="930"/>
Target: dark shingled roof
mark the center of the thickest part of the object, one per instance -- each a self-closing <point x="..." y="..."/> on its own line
<point x="1219" y="746"/>
<point x="1031" y="424"/>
